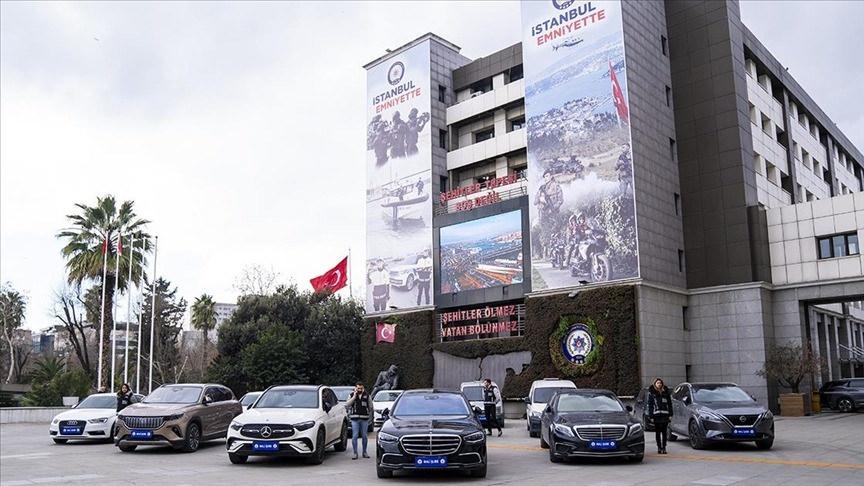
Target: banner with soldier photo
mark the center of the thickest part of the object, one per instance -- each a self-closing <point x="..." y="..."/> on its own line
<point x="399" y="182"/>
<point x="580" y="167"/>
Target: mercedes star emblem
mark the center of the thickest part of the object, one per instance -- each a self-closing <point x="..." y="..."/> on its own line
<point x="266" y="431"/>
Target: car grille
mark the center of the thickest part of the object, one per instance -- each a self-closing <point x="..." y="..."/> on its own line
<point x="72" y="423"/>
<point x="143" y="422"/>
<point x="594" y="432"/>
<point x="742" y="420"/>
<point x="431" y="445"/>
<point x="267" y="431"/>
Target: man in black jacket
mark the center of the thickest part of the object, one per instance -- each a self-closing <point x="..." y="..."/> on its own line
<point x="489" y="401"/>
<point x="360" y="410"/>
<point x="660" y="410"/>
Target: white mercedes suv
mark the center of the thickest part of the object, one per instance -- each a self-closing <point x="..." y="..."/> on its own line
<point x="92" y="419"/>
<point x="289" y="421"/>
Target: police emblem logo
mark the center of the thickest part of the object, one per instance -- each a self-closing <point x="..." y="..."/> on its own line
<point x="562" y="4"/>
<point x="577" y="343"/>
<point x="395" y="73"/>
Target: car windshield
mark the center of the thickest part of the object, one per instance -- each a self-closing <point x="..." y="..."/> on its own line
<point x="288" y="398"/>
<point x="720" y="393"/>
<point x="99" y="401"/>
<point x="386" y="396"/>
<point x="249" y="398"/>
<point x="542" y="395"/>
<point x="174" y="394"/>
<point x="597" y="402"/>
<point x="431" y="404"/>
<point x="343" y="393"/>
<point x="473" y="393"/>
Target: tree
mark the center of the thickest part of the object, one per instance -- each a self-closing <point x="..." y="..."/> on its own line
<point x="789" y="364"/>
<point x="12" y="306"/>
<point x="72" y="308"/>
<point x="204" y="319"/>
<point x="95" y="226"/>
<point x="167" y="329"/>
<point x="52" y="381"/>
<point x="256" y="280"/>
<point x="23" y="351"/>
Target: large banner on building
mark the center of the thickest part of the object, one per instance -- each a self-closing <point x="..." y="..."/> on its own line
<point x="580" y="167"/>
<point x="399" y="182"/>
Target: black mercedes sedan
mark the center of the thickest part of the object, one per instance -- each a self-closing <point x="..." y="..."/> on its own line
<point x="431" y="429"/>
<point x="590" y="423"/>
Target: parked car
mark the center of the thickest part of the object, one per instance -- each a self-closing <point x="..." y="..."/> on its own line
<point x="590" y="423"/>
<point x="538" y="397"/>
<point x="92" y="419"/>
<point x="719" y="412"/>
<point x="290" y="421"/>
<point x="180" y="416"/>
<point x="248" y="399"/>
<point x="383" y="400"/>
<point x="843" y="395"/>
<point x="640" y="409"/>
<point x="473" y="391"/>
<point x="343" y="393"/>
<point x="431" y="429"/>
<point x="403" y="276"/>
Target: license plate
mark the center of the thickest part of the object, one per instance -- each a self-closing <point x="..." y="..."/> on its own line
<point x="744" y="432"/>
<point x="603" y="445"/>
<point x="430" y="461"/>
<point x="481" y="418"/>
<point x="71" y="430"/>
<point x="142" y="434"/>
<point x="265" y="446"/>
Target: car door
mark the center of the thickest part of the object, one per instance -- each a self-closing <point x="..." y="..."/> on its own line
<point x="332" y="421"/>
<point x="226" y="408"/>
<point x="856" y="390"/>
<point x="678" y="408"/>
<point x="210" y="413"/>
<point x="546" y="420"/>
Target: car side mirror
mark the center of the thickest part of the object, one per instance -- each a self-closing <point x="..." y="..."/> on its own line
<point x="685" y="399"/>
<point x="527" y="400"/>
<point x="207" y="400"/>
<point x="385" y="414"/>
<point x="478" y="411"/>
<point x="548" y="409"/>
<point x="629" y="408"/>
<point x="327" y="407"/>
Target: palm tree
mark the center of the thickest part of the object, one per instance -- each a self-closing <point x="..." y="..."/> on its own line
<point x="12" y="306"/>
<point x="204" y="319"/>
<point x="89" y="230"/>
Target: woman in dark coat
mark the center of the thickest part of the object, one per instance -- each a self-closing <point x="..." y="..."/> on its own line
<point x="124" y="397"/>
<point x="660" y="410"/>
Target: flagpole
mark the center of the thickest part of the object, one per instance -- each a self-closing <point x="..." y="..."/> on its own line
<point x="114" y="308"/>
<point x="128" y="308"/>
<point x="140" y="319"/>
<point x="152" y="314"/>
<point x="102" y="314"/>
<point x="350" y="289"/>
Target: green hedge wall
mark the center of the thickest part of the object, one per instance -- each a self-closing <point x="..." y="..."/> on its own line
<point x="612" y="310"/>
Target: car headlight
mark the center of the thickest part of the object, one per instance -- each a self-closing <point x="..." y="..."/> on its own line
<point x="55" y="421"/>
<point x="176" y="416"/>
<point x="236" y="425"/>
<point x="564" y="429"/>
<point x="535" y="413"/>
<point x="635" y="428"/>
<point x="305" y="425"/>
<point x="100" y="420"/>
<point x="385" y="437"/>
<point x="475" y="437"/>
<point x="768" y="415"/>
<point x="709" y="416"/>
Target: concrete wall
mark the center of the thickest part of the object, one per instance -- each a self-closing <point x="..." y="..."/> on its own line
<point x="15" y="415"/>
<point x="662" y="338"/>
<point x="444" y="61"/>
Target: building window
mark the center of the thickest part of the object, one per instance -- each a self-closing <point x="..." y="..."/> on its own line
<point x="516" y="73"/>
<point x="668" y="96"/>
<point x="442" y="182"/>
<point x="484" y="135"/>
<point x="442" y="139"/>
<point x="521" y="172"/>
<point x="837" y="246"/>
<point x="663" y="44"/>
<point x="677" y="204"/>
<point x="442" y="94"/>
<point x="517" y="123"/>
<point x="684" y="318"/>
<point x="680" y="260"/>
<point x="672" y="149"/>
<point x="484" y="178"/>
<point x="687" y="369"/>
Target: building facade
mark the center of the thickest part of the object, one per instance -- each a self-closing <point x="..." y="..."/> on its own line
<point x="745" y="216"/>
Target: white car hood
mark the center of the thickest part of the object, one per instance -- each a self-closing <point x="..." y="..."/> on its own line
<point x="277" y="415"/>
<point x="380" y="406"/>
<point x="85" y="414"/>
<point x="536" y="407"/>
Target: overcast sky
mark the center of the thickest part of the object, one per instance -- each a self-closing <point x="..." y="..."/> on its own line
<point x="239" y="129"/>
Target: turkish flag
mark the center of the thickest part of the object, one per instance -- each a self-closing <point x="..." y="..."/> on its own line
<point x="385" y="333"/>
<point x="333" y="279"/>
<point x="618" y="96"/>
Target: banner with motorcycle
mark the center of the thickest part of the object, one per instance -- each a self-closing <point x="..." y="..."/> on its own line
<point x="580" y="172"/>
<point x="399" y="182"/>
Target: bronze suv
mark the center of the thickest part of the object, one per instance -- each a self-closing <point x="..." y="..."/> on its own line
<point x="181" y="416"/>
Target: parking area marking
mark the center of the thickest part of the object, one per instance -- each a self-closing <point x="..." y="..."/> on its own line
<point x="34" y="455"/>
<point x="734" y="459"/>
<point x="52" y="479"/>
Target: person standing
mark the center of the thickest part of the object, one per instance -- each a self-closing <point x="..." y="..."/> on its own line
<point x="424" y="276"/>
<point x="124" y="397"/>
<point x="360" y="409"/>
<point x="490" y="398"/>
<point x="379" y="279"/>
<point x="660" y="411"/>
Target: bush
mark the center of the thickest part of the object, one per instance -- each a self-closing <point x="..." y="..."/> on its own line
<point x="73" y="383"/>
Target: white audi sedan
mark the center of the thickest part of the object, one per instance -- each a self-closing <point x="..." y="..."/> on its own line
<point x="92" y="419"/>
<point x="289" y="421"/>
<point x="383" y="400"/>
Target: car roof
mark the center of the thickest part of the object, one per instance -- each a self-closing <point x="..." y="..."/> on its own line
<point x="711" y="383"/>
<point x="296" y="387"/>
<point x="430" y="390"/>
<point x="587" y="391"/>
<point x="473" y="383"/>
<point x="553" y="383"/>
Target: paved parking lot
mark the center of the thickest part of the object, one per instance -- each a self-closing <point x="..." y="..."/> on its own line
<point x="827" y="449"/>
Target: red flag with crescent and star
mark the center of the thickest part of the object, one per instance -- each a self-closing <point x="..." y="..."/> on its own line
<point x="385" y="333"/>
<point x="333" y="279"/>
<point x="618" y="96"/>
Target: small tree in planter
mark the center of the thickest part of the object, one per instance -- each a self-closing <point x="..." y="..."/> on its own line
<point x="789" y="365"/>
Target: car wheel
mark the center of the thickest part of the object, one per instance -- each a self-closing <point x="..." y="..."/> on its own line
<point x="480" y="472"/>
<point x="318" y="456"/>
<point x="127" y="448"/>
<point x="409" y="284"/>
<point x="383" y="473"/>
<point x="553" y="456"/>
<point x="111" y="434"/>
<point x="845" y="405"/>
<point x="696" y="441"/>
<point x="60" y="441"/>
<point x="342" y="445"/>
<point x="193" y="438"/>
<point x="533" y="434"/>
<point x="765" y="444"/>
<point x="672" y="437"/>
<point x="237" y="459"/>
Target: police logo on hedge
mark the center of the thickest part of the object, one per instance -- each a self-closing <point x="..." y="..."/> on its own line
<point x="577" y="343"/>
<point x="395" y="73"/>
